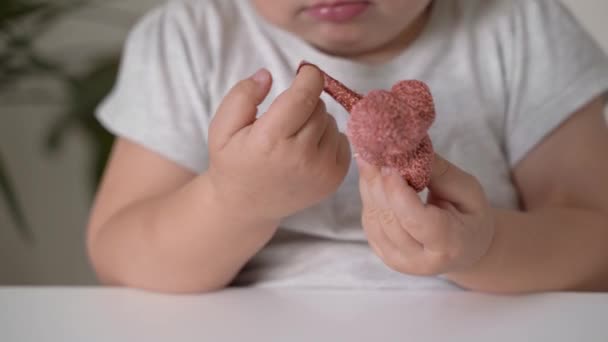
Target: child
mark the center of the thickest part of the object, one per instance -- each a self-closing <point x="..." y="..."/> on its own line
<point x="199" y="194"/>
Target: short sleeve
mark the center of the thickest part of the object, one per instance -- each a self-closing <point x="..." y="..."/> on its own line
<point x="159" y="100"/>
<point x="556" y="68"/>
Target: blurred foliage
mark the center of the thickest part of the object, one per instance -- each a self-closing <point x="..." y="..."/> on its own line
<point x="9" y="194"/>
<point x="22" y="24"/>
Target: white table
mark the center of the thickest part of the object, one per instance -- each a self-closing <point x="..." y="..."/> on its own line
<point x="95" y="314"/>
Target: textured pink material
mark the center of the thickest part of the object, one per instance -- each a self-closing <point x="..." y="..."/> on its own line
<point x="390" y="128"/>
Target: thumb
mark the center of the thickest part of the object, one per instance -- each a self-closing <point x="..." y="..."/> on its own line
<point x="239" y="107"/>
<point x="367" y="171"/>
<point x="452" y="184"/>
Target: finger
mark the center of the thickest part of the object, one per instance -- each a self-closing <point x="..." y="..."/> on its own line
<point x="292" y="109"/>
<point x="392" y="255"/>
<point x="377" y="193"/>
<point x="343" y="157"/>
<point x="434" y="232"/>
<point x="374" y="209"/>
<point x="400" y="194"/>
<point x="452" y="184"/>
<point x="368" y="172"/>
<point x="372" y="192"/>
<point x="330" y="138"/>
<point x="426" y="225"/>
<point x="405" y="242"/>
<point x="366" y="197"/>
<point x="375" y="236"/>
<point x="239" y="107"/>
<point x="316" y="125"/>
<point x="395" y="249"/>
<point x="375" y="248"/>
<point x="382" y="215"/>
<point x="413" y="216"/>
<point x="338" y="152"/>
<point x="407" y="208"/>
<point x="438" y="232"/>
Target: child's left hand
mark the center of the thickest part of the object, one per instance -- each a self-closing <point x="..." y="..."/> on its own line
<point x="451" y="232"/>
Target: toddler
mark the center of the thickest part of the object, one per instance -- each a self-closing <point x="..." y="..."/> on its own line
<point x="230" y="169"/>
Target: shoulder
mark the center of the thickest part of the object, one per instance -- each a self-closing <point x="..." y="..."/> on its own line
<point x="510" y="12"/>
<point x="506" y="7"/>
<point x="206" y="19"/>
<point x="196" y="32"/>
<point x="518" y="27"/>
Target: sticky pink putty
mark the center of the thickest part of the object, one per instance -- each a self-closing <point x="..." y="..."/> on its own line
<point x="390" y="128"/>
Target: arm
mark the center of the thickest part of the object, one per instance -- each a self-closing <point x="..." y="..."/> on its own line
<point x="557" y="243"/>
<point x="159" y="227"/>
<point x="560" y="241"/>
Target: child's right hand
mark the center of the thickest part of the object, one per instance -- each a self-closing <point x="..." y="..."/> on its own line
<point x="290" y="159"/>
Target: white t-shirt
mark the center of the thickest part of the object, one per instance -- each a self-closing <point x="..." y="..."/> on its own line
<point x="504" y="74"/>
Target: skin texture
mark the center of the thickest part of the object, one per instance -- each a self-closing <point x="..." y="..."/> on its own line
<point x="158" y="226"/>
<point x="382" y="32"/>
<point x="556" y="243"/>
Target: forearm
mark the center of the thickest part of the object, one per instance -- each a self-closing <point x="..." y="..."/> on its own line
<point x="185" y="241"/>
<point x="544" y="250"/>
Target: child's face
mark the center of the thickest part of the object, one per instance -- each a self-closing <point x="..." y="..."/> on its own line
<point x="346" y="28"/>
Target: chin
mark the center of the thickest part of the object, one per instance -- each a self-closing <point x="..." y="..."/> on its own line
<point x="345" y="49"/>
<point x="341" y="51"/>
<point x="340" y="41"/>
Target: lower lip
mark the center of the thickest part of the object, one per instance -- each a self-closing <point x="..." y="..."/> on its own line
<point x="338" y="13"/>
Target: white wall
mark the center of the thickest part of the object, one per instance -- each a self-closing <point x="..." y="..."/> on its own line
<point x="53" y="188"/>
<point x="594" y="15"/>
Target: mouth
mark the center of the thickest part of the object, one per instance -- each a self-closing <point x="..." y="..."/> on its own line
<point x="337" y="11"/>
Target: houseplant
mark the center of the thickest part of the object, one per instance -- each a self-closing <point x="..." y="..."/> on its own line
<point x="22" y="24"/>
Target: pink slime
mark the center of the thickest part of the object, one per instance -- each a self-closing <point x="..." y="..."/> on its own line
<point x="390" y="128"/>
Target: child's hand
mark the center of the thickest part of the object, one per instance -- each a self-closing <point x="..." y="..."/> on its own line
<point x="288" y="160"/>
<point x="452" y="232"/>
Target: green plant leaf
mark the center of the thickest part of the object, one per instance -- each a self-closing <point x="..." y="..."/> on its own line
<point x="15" y="209"/>
<point x="87" y="92"/>
<point x="12" y="10"/>
<point x="21" y="24"/>
<point x="50" y="15"/>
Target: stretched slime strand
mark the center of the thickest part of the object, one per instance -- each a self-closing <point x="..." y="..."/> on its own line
<point x="389" y="128"/>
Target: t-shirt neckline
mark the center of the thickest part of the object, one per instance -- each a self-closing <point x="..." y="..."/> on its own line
<point x="343" y="67"/>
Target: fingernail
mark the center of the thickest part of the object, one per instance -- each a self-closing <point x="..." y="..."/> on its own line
<point x="386" y="171"/>
<point x="261" y="77"/>
<point x="303" y="64"/>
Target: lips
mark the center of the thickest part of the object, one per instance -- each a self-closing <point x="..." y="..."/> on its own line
<point x="338" y="12"/>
